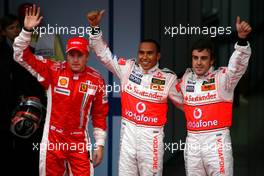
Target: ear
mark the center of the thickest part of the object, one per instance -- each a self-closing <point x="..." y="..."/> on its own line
<point x="158" y="56"/>
<point x="86" y="57"/>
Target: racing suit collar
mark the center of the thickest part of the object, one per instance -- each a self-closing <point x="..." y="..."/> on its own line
<point x="211" y="69"/>
<point x="152" y="70"/>
<point x="76" y="75"/>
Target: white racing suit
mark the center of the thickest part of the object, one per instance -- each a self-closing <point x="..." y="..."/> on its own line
<point x="144" y="107"/>
<point x="208" y="110"/>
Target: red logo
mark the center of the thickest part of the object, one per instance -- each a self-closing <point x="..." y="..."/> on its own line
<point x="208" y="87"/>
<point x="178" y="86"/>
<point x="157" y="87"/>
<point x="141" y="107"/>
<point x="220" y="146"/>
<point x="155" y="153"/>
<point x="122" y="61"/>
<point x="159" y="75"/>
<point x="197" y="113"/>
<point x="202" y="98"/>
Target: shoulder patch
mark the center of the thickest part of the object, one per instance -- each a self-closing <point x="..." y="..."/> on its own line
<point x="178" y="85"/>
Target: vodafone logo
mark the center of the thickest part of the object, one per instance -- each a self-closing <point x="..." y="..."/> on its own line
<point x="141" y="107"/>
<point x="197" y="113"/>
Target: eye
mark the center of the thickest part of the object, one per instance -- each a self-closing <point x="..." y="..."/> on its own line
<point x="150" y="52"/>
<point x="195" y="57"/>
<point x="141" y="52"/>
<point x="204" y="58"/>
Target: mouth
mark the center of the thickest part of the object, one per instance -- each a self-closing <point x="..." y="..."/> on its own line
<point x="75" y="66"/>
<point x="145" y="63"/>
<point x="199" y="68"/>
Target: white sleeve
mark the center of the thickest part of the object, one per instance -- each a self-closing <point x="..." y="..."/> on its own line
<point x="103" y="53"/>
<point x="237" y="66"/>
<point x="175" y="94"/>
<point x="99" y="136"/>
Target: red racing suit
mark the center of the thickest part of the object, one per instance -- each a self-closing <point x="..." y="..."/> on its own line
<point x="72" y="98"/>
<point x="144" y="110"/>
<point x="208" y="111"/>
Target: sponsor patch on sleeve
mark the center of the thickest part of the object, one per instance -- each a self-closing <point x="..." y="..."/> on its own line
<point x="178" y="85"/>
<point x="121" y="61"/>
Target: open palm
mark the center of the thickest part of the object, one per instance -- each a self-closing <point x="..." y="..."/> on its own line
<point x="32" y="17"/>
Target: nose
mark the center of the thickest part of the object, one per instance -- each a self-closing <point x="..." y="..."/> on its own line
<point x="75" y="58"/>
<point x="199" y="61"/>
<point x="144" y="55"/>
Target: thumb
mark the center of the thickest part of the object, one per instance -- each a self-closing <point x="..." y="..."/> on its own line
<point x="100" y="15"/>
<point x="102" y="12"/>
<point x="238" y="20"/>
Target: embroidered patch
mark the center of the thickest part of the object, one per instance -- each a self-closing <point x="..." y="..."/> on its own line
<point x="62" y="91"/>
<point x="135" y="79"/>
<point x="63" y="82"/>
<point x="208" y="87"/>
<point x="189" y="88"/>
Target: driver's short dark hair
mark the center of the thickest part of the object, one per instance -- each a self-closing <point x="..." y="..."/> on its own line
<point x="204" y="44"/>
<point x="152" y="41"/>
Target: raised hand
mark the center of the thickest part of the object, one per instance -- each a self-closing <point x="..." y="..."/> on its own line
<point x="243" y="28"/>
<point x="32" y="17"/>
<point x="94" y="17"/>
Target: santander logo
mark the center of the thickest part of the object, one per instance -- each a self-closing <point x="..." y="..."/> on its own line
<point x="143" y="92"/>
<point x="197" y="98"/>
